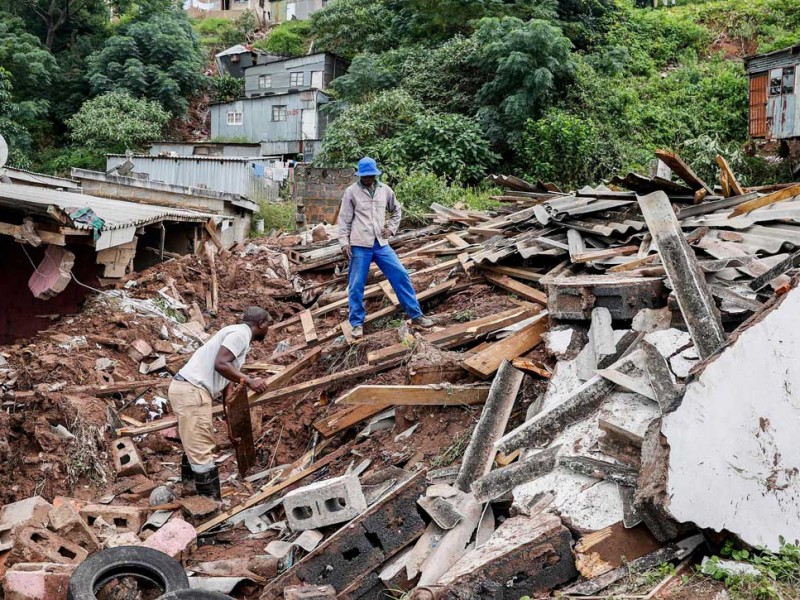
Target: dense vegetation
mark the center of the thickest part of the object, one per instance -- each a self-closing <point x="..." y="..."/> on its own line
<point x="440" y="91"/>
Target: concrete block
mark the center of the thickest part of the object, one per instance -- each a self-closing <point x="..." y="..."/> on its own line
<point x="324" y="503"/>
<point x="126" y="458"/>
<point x="177" y="539"/>
<point x="309" y="592"/>
<point x="576" y="297"/>
<point x="37" y="581"/>
<point x="66" y="521"/>
<point x="36" y="544"/>
<point x="32" y="511"/>
<point x="346" y="557"/>
<point x="123" y="518"/>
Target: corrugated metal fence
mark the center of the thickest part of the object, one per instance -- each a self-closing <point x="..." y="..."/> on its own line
<point x="258" y="178"/>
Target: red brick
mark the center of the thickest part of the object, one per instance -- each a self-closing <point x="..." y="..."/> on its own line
<point x="67" y="522"/>
<point x="37" y="581"/>
<point x="177" y="539"/>
<point x="35" y="544"/>
<point x="127" y="461"/>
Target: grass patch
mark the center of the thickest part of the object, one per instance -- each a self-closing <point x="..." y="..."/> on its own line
<point x="454" y="451"/>
<point x="291" y="38"/>
<point x="276" y="215"/>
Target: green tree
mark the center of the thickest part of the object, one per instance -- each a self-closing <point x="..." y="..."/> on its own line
<point x="529" y="62"/>
<point x="15" y="134"/>
<point x="226" y="88"/>
<point x="350" y="27"/>
<point x="117" y="121"/>
<point x="154" y="54"/>
<point x="287" y="39"/>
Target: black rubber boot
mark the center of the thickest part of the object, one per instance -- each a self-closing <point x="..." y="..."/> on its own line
<point x="207" y="484"/>
<point x="187" y="474"/>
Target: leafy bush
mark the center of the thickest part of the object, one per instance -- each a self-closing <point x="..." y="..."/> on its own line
<point x="276" y="216"/>
<point x="60" y="161"/>
<point x="15" y="134"/>
<point x="226" y="88"/>
<point x="288" y="39"/>
<point x="214" y="31"/>
<point x="117" y="121"/>
<point x="155" y="55"/>
<point x="349" y="27"/>
<point x="418" y="190"/>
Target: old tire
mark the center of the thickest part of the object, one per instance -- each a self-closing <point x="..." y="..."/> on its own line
<point x="135" y="561"/>
<point x="195" y="595"/>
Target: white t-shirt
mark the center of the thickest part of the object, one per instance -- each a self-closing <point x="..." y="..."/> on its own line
<point x="200" y="371"/>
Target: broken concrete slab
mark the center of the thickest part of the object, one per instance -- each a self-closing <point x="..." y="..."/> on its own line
<point x="601" y="469"/>
<point x="67" y="522"/>
<point x="752" y="453"/>
<point x="575" y="297"/>
<point x="443" y="513"/>
<point x="176" y="539"/>
<point x="500" y="481"/>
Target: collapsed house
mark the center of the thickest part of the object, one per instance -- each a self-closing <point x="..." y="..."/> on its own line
<point x="609" y="383"/>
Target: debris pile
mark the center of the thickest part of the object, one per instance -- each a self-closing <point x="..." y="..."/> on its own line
<point x="609" y="382"/>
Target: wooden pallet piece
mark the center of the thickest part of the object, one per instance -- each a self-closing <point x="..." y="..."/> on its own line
<point x="416" y="395"/>
<point x="485" y="363"/>
<point x="309" y="331"/>
<point x="516" y="287"/>
<point x="386" y="287"/>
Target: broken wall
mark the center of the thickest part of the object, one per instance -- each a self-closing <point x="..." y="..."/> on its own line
<point x="22" y="315"/>
<point x="318" y="192"/>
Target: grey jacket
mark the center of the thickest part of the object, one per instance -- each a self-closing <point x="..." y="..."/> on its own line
<point x="362" y="217"/>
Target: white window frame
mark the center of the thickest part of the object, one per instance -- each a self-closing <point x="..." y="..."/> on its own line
<point x="265" y="82"/>
<point x="280" y="113"/>
<point x="235" y="117"/>
<point x="293" y="77"/>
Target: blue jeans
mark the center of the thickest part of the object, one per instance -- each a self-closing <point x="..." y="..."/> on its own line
<point x="395" y="272"/>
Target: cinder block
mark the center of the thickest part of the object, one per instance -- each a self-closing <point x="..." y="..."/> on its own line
<point x="576" y="297"/>
<point x="345" y="558"/>
<point x="36" y="544"/>
<point x="37" y="581"/>
<point x="32" y="511"/>
<point x="324" y="503"/>
<point x="124" y="518"/>
<point x="177" y="538"/>
<point x="67" y="522"/>
<point x="309" y="592"/>
<point x="126" y="458"/>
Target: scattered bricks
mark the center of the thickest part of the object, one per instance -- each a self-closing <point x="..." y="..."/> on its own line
<point x="576" y="297"/>
<point x="126" y="458"/>
<point x="324" y="503"/>
<point x="36" y="544"/>
<point x="347" y="557"/>
<point x="53" y="274"/>
<point x="37" y="581"/>
<point x="139" y="350"/>
<point x="177" y="539"/>
<point x="123" y="518"/>
<point x="32" y="511"/>
<point x="309" y="592"/>
<point x="67" y="522"/>
<point x="527" y="554"/>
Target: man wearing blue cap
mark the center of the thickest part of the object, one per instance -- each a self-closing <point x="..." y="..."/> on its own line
<point x="363" y="235"/>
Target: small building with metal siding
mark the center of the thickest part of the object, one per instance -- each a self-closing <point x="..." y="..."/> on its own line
<point x="774" y="109"/>
<point x="289" y="117"/>
<point x="233" y="175"/>
<point x="278" y="75"/>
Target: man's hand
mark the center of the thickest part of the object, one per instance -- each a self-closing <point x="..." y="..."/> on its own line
<point x="386" y="233"/>
<point x="347" y="251"/>
<point x="257" y="384"/>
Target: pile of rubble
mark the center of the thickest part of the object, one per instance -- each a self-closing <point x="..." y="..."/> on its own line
<point x="632" y="350"/>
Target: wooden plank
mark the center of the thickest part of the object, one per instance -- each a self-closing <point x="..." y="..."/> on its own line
<point x="727" y="174"/>
<point x="48" y="237"/>
<point x="386" y="287"/>
<point x="273" y="395"/>
<point x="270" y="368"/>
<point x="682" y="170"/>
<point x="240" y="429"/>
<point x="531" y="366"/>
<point x="286" y="374"/>
<point x="603" y="254"/>
<point x="485" y="363"/>
<point x="459" y="333"/>
<point x="604" y="550"/>
<point x="266" y="493"/>
<point x="212" y="233"/>
<point x="347" y="331"/>
<point x="516" y="272"/>
<point x="634" y="264"/>
<point x="344" y="419"/>
<point x="456" y="240"/>
<point x="516" y="287"/>
<point x="212" y="265"/>
<point x="416" y="395"/>
<point x="773" y="198"/>
<point x="309" y="332"/>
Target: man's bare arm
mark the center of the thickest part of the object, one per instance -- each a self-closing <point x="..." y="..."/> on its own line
<point x="224" y="365"/>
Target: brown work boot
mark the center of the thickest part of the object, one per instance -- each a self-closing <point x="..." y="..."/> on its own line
<point x="423" y="321"/>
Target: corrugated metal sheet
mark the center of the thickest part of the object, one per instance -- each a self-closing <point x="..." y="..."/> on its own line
<point x="117" y="214"/>
<point x="785" y="57"/>
<point x="221" y="173"/>
<point x="23" y="176"/>
<point x="760" y="238"/>
<point x="783" y="211"/>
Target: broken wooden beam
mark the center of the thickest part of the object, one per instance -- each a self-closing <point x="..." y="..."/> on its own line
<point x="682" y="170"/>
<point x="687" y="280"/>
<point x="346" y="418"/>
<point x="603" y="254"/>
<point x="769" y="199"/>
<point x="517" y="288"/>
<point x="479" y="455"/>
<point x="608" y="548"/>
<point x="485" y="363"/>
<point x="286" y="374"/>
<point x="417" y="395"/>
<point x="240" y="428"/>
<point x="307" y="322"/>
<point x="726" y="175"/>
